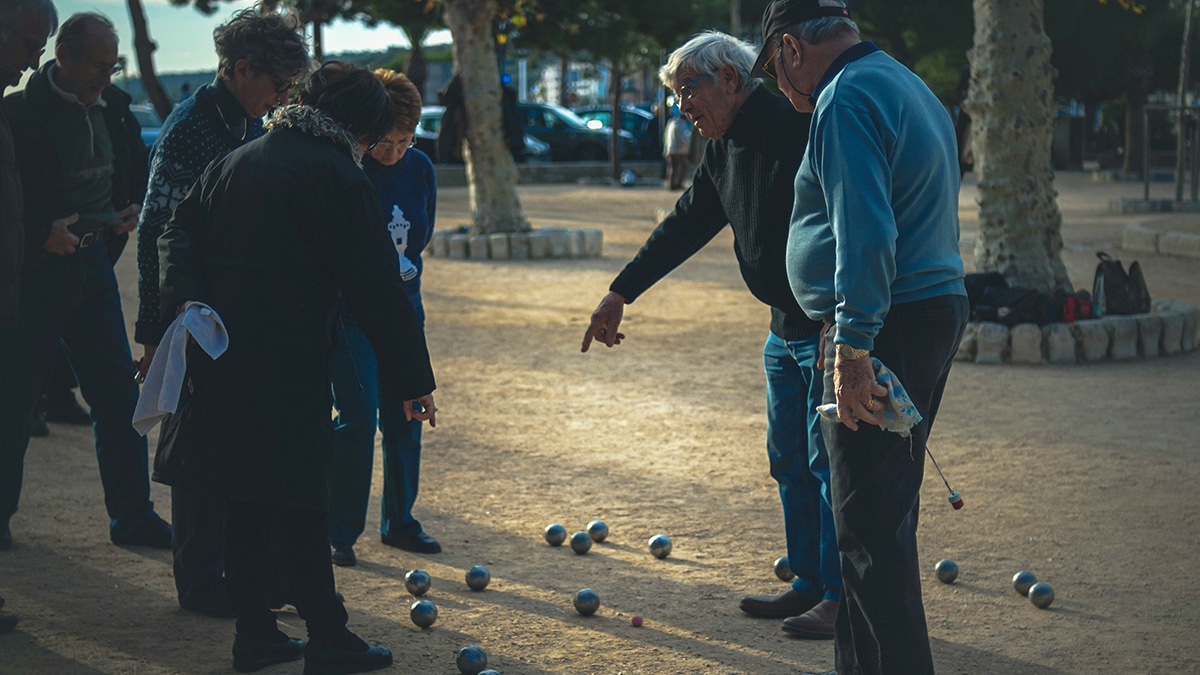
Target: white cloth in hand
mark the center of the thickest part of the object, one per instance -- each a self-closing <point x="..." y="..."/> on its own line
<point x="898" y="414"/>
<point x="164" y="380"/>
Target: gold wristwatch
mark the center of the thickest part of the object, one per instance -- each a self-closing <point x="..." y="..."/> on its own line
<point x="848" y="353"/>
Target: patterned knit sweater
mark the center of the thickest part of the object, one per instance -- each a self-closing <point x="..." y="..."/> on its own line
<point x="204" y="127"/>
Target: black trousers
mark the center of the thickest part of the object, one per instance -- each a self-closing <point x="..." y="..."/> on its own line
<point x="304" y="543"/>
<point x="875" y="481"/>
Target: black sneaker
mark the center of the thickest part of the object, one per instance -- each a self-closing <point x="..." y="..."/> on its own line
<point x="416" y="543"/>
<point x="144" y="530"/>
<point x="326" y="659"/>
<point x="8" y="622"/>
<point x="251" y="654"/>
<point x="343" y="555"/>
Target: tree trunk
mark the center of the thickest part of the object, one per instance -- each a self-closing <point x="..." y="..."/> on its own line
<point x="318" y="48"/>
<point x="417" y="68"/>
<point x="564" y="64"/>
<point x="1011" y="103"/>
<point x="1135" y="136"/>
<point x="614" y="139"/>
<point x="491" y="172"/>
<point x="145" y="47"/>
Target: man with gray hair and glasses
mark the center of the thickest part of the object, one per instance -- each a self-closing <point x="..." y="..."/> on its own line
<point x="260" y="58"/>
<point x="873" y="252"/>
<point x="745" y="181"/>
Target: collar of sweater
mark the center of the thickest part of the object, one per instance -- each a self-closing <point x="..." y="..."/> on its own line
<point x="315" y="122"/>
<point x="747" y="127"/>
<point x="229" y="109"/>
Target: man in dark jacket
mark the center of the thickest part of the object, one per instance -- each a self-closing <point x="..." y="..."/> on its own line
<point x="83" y="174"/>
<point x="745" y="182"/>
<point x="25" y="26"/>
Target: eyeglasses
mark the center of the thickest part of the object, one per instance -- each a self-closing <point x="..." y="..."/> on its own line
<point x="392" y="145"/>
<point x="282" y="84"/>
<point x="686" y="92"/>
<point x="769" y="65"/>
<point x="100" y="68"/>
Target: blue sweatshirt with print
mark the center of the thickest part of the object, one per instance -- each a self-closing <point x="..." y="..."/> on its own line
<point x="408" y="195"/>
<point x="875" y="221"/>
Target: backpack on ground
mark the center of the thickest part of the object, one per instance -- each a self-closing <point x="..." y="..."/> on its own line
<point x="1116" y="292"/>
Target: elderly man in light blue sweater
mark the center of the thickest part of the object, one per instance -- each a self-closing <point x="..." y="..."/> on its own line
<point x="873" y="251"/>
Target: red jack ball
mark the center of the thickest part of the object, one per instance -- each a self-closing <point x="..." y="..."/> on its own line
<point x="636" y="621"/>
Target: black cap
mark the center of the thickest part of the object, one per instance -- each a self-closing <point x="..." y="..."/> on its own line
<point x="783" y="14"/>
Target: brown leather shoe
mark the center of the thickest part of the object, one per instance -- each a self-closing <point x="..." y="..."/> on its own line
<point x="789" y="603"/>
<point x="816" y="623"/>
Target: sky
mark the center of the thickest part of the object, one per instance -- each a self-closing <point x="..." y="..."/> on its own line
<point x="184" y="35"/>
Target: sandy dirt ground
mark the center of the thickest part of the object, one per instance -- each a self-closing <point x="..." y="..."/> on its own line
<point x="1080" y="474"/>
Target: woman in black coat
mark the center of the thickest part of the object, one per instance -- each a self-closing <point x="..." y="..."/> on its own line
<point x="269" y="237"/>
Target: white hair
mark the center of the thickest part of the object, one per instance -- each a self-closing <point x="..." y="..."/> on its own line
<point x="708" y="52"/>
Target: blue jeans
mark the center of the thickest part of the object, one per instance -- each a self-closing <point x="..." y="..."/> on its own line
<point x="74" y="298"/>
<point x="800" y="464"/>
<point x="357" y="397"/>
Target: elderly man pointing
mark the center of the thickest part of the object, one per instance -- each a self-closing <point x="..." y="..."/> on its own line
<point x="745" y="181"/>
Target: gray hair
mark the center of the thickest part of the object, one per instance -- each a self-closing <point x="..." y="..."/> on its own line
<point x="708" y="52"/>
<point x="269" y="42"/>
<point x="12" y="10"/>
<point x="75" y="29"/>
<point x="816" y="31"/>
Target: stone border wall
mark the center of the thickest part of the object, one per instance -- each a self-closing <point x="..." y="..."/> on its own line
<point x="543" y="243"/>
<point x="1169" y="328"/>
<point x="1138" y="237"/>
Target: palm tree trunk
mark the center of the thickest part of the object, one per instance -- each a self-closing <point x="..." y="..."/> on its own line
<point x="417" y="68"/>
<point x="318" y="48"/>
<point x="1011" y="102"/>
<point x="491" y="172"/>
<point x="614" y="98"/>
<point x="145" y="47"/>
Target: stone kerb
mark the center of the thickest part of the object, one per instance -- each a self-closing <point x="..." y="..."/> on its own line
<point x="1169" y="328"/>
<point x="1139" y="237"/>
<point x="539" y="244"/>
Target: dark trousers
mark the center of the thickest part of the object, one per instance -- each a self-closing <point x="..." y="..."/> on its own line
<point x="73" y="298"/>
<point x="875" y="477"/>
<point x="304" y="541"/>
<point x="197" y="543"/>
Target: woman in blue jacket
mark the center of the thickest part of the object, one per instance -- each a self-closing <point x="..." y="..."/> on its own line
<point x="404" y="180"/>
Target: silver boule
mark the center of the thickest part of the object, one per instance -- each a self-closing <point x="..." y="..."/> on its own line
<point x="1041" y="595"/>
<point x="478" y="577"/>
<point x="423" y="613"/>
<point x="489" y="671"/>
<point x="581" y="542"/>
<point x="417" y="582"/>
<point x="471" y="660"/>
<point x="783" y="569"/>
<point x="1022" y="581"/>
<point x="555" y="534"/>
<point x="597" y="530"/>
<point x="946" y="571"/>
<point x="587" y="602"/>
<point x="660" y="546"/>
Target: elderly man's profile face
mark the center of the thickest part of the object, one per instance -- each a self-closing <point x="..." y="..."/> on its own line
<point x="712" y="103"/>
<point x="88" y="70"/>
<point x="24" y="44"/>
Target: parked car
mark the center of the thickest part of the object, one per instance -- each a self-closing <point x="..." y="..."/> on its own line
<point x="640" y="123"/>
<point x="431" y="120"/>
<point x="569" y="137"/>
<point x="150" y="122"/>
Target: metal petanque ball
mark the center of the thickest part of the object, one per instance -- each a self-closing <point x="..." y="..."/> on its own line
<point x="1022" y="581"/>
<point x="597" y="530"/>
<point x="478" y="577"/>
<point x="489" y="671"/>
<point x="660" y="546"/>
<point x="946" y="571"/>
<point x="587" y="602"/>
<point x="783" y="569"/>
<point x="417" y="582"/>
<point x="1041" y="595"/>
<point x="471" y="660"/>
<point x="423" y="613"/>
<point x="555" y="534"/>
<point x="581" y="542"/>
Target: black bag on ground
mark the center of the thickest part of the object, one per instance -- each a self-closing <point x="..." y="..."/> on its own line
<point x="1011" y="306"/>
<point x="1116" y="292"/>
